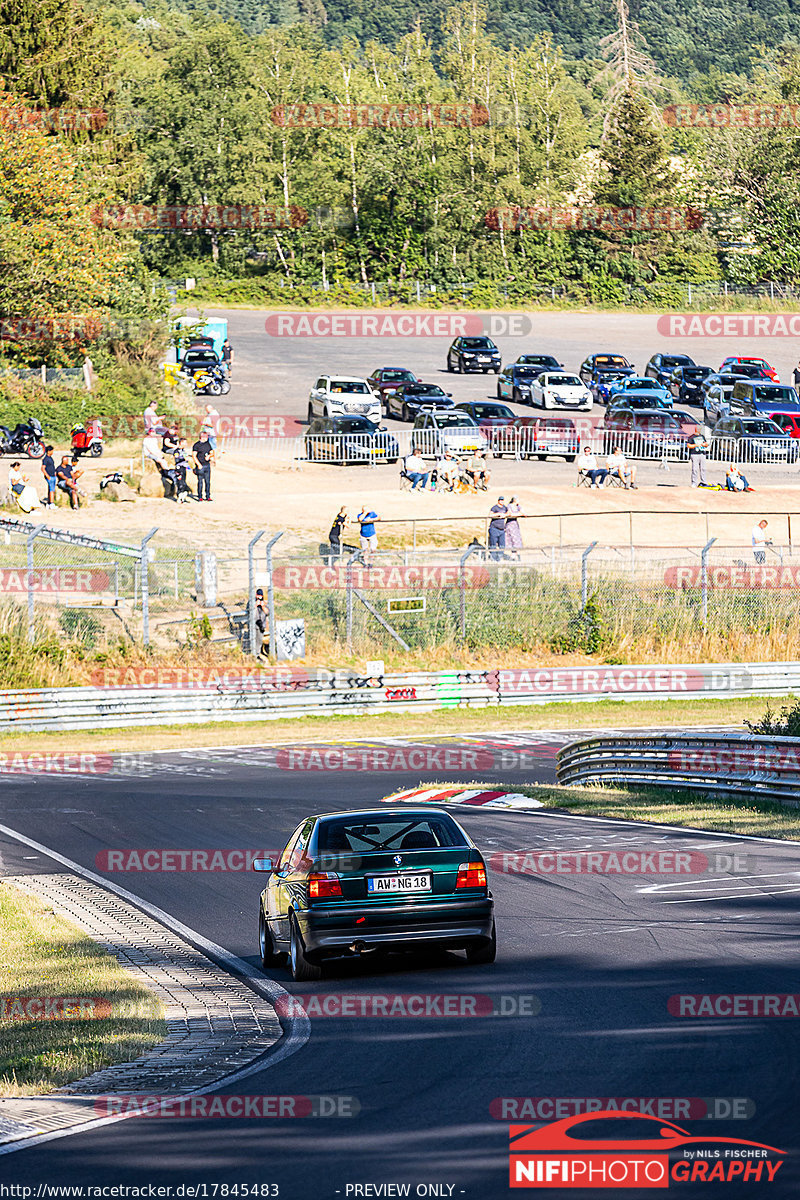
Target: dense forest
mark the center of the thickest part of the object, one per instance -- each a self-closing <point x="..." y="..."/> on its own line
<point x="196" y="115"/>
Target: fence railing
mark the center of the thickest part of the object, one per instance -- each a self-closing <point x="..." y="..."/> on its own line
<point x="520" y="442"/>
<point x="294" y="692"/>
<point x="723" y="763"/>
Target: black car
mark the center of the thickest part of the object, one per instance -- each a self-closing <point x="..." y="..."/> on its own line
<point x="473" y="354"/>
<point x="595" y="366"/>
<point x="752" y="439"/>
<point x="514" y="381"/>
<point x="661" y="366"/>
<point x="410" y="398"/>
<point x="542" y="362"/>
<point x="686" y="383"/>
<point x="349" y="440"/>
<point x="350" y="884"/>
<point x="198" y="358"/>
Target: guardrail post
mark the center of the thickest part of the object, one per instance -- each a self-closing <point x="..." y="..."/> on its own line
<point x="251" y="589"/>
<point x="271" y="595"/>
<point x="145" y="583"/>
<point x="32" y="536"/>
<point x="704" y="581"/>
<point x="462" y="585"/>
<point x="349" y="581"/>
<point x="585" y="573"/>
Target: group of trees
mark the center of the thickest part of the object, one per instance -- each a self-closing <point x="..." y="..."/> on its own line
<point x="201" y="112"/>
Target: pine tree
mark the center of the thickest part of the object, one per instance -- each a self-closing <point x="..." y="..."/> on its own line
<point x="636" y="169"/>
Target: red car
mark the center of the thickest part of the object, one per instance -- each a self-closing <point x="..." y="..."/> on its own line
<point x="788" y="422"/>
<point x="734" y="361"/>
<point x="389" y="379"/>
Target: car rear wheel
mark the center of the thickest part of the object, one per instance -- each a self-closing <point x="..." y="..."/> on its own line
<point x="266" y="948"/>
<point x="302" y="970"/>
<point x="479" y="955"/>
<point x="310" y="414"/>
<point x="516" y="397"/>
<point x="406" y="413"/>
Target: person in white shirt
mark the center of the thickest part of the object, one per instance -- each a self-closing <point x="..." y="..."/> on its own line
<point x="735" y="481"/>
<point x="619" y="466"/>
<point x="415" y="470"/>
<point x="21" y="490"/>
<point x="587" y="465"/>
<point x="447" y="469"/>
<point x="153" y="423"/>
<point x="760" y="541"/>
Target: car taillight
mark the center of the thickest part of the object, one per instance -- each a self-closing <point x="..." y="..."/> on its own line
<point x="471" y="875"/>
<point x="323" y="884"/>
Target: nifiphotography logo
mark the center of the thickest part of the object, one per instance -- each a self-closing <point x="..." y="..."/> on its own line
<point x="616" y="1149"/>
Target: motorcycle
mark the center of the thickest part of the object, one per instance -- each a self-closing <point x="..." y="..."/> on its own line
<point x="210" y="381"/>
<point x="26" y="438"/>
<point x="87" y="439"/>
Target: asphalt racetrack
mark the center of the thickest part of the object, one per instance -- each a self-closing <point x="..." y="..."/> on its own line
<point x="579" y="998"/>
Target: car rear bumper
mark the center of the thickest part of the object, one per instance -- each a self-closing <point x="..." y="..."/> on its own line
<point x="331" y="931"/>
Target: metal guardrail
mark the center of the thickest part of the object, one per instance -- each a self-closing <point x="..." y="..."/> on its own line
<point x="293" y="691"/>
<point x="719" y="763"/>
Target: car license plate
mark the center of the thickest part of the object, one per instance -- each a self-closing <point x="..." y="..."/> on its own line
<point x="398" y="883"/>
<point x="484" y="358"/>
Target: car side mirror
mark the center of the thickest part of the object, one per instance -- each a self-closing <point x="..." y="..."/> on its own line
<point x="263" y="864"/>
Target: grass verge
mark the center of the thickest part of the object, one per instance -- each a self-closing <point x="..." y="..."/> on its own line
<point x="45" y="955"/>
<point x="616" y="714"/>
<point x="667" y="806"/>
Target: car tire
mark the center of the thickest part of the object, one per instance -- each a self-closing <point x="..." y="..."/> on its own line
<point x="497" y="370"/>
<point x="569" y="458"/>
<point x="266" y="947"/>
<point x="482" y="955"/>
<point x="302" y="970"/>
<point x="515" y="397"/>
<point x="449" y="365"/>
<point x="406" y="413"/>
<point x="498" y="391"/>
<point x="310" y="413"/>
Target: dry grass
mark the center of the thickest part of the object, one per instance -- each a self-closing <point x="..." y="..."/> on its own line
<point x="45" y="955"/>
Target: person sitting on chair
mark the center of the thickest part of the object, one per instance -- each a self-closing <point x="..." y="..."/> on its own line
<point x="447" y="470"/>
<point x="478" y="471"/>
<point x="588" y="468"/>
<point x="416" y="472"/>
<point x="620" y="468"/>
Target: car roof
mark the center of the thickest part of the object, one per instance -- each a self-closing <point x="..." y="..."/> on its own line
<point x="342" y="378"/>
<point x="374" y="814"/>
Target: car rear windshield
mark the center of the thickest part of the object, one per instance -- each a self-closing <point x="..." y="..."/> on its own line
<point x="399" y="832"/>
<point x="396" y="376"/>
<point x="776" y="395"/>
<point x="353" y="425"/>
<point x="748" y="370"/>
<point x="478" y="343"/>
<point x="696" y="372"/>
<point x="526" y="372"/>
<point x="642" y="385"/>
<point x="762" y="428"/>
<point x="564" y="381"/>
<point x="424" y="389"/>
<point x="610" y="360"/>
<point x="454" y="419"/>
<point x="349" y="385"/>
<point x="656" y="421"/>
<point x="539" y="360"/>
<point x="491" y="410"/>
<point x="675" y="360"/>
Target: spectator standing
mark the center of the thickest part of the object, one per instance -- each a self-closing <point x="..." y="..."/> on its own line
<point x="211" y="425"/>
<point x="335" y="536"/>
<point x="760" y="542"/>
<point x="497" y="528"/>
<point x="67" y="480"/>
<point x="227" y="357"/>
<point x="796" y="376"/>
<point x="262" y="624"/>
<point x="369" y="538"/>
<point x="697" y="446"/>
<point x="202" y="458"/>
<point x="49" y="472"/>
<point x="513" y="531"/>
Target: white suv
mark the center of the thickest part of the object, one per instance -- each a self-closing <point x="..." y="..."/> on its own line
<point x="343" y="396"/>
